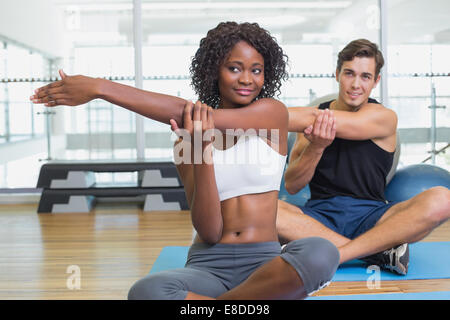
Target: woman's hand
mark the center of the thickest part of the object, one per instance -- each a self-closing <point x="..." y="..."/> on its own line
<point x="188" y="126"/>
<point x="198" y="128"/>
<point x="70" y="91"/>
<point x="203" y="124"/>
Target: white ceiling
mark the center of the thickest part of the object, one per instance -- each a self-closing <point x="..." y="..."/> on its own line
<point x="106" y="21"/>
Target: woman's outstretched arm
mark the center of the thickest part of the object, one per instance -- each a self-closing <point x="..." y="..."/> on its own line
<point x="75" y="90"/>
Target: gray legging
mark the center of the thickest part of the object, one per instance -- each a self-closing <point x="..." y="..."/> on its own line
<point x="212" y="270"/>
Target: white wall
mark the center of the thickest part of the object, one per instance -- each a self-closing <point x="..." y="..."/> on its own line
<point x="36" y="23"/>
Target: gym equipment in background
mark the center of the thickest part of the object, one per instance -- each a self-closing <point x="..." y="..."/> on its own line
<point x="71" y="186"/>
<point x="414" y="179"/>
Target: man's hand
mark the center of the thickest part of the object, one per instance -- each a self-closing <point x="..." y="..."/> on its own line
<point x="322" y="133"/>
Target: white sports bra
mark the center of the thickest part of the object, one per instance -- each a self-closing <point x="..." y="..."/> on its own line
<point x="250" y="166"/>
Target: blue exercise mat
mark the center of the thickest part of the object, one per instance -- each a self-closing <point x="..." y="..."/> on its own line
<point x="172" y="257"/>
<point x="428" y="260"/>
<point x="436" y="295"/>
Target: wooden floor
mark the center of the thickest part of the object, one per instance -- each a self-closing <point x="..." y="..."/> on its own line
<point x="112" y="247"/>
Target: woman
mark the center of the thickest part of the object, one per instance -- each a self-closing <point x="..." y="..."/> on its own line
<point x="237" y="69"/>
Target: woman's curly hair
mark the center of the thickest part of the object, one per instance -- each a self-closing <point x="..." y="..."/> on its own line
<point x="216" y="46"/>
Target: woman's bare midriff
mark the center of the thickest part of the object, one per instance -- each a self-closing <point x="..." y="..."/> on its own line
<point x="249" y="218"/>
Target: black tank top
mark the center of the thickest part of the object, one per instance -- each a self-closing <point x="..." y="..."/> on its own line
<point x="355" y="168"/>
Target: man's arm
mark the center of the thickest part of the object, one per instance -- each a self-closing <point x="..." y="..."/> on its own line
<point x="372" y="121"/>
<point x="302" y="164"/>
<point x="307" y="151"/>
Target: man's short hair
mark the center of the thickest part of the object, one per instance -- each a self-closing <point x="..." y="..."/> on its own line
<point x="361" y="48"/>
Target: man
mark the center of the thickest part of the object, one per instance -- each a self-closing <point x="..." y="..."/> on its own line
<point x="345" y="156"/>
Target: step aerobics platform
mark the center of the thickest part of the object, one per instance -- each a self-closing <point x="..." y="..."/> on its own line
<point x="71" y="186"/>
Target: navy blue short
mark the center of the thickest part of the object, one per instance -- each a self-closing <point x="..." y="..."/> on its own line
<point x="347" y="216"/>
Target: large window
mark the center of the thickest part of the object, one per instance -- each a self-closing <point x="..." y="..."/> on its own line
<point x="95" y="38"/>
<point x="419" y="78"/>
<point x="18" y="117"/>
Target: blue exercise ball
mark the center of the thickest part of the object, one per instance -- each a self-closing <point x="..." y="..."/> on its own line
<point x="292" y="136"/>
<point x="414" y="179"/>
<point x="298" y="199"/>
